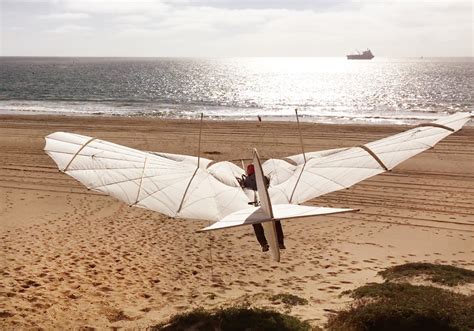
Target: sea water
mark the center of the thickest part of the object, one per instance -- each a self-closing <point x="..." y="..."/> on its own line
<point x="322" y="89"/>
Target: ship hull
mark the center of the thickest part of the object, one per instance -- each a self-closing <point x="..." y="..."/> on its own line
<point x="359" y="57"/>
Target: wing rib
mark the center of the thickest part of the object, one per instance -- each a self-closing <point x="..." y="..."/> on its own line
<point x="141" y="180"/>
<point x="290" y="161"/>
<point x="376" y="158"/>
<point x="197" y="167"/>
<point x="435" y="125"/>
<point x="77" y="153"/>
<point x="297" y="181"/>
<point x="186" y="191"/>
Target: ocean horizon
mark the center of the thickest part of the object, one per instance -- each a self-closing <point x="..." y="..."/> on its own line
<point x="327" y="90"/>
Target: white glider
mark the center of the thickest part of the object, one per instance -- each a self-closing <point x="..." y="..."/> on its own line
<point x="196" y="188"/>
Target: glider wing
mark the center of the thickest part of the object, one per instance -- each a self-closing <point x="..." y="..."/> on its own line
<point x="294" y="181"/>
<point x="167" y="183"/>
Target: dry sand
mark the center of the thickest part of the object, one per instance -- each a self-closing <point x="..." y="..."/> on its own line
<point x="71" y="258"/>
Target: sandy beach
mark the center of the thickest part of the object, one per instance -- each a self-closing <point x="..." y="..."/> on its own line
<point x="71" y="258"/>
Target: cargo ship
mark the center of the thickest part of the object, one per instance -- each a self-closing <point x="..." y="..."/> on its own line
<point x="365" y="55"/>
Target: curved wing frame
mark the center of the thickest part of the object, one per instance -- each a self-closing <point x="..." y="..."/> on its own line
<point x="175" y="185"/>
<point x="196" y="188"/>
<point x="296" y="181"/>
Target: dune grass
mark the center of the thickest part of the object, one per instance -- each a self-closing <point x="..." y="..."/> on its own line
<point x="234" y="319"/>
<point x="437" y="273"/>
<point x="402" y="306"/>
<point x="289" y="300"/>
<point x="388" y="306"/>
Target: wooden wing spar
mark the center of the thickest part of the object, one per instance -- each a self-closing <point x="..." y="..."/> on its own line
<point x="196" y="188"/>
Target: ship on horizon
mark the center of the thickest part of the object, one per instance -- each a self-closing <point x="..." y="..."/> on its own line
<point x="365" y="55"/>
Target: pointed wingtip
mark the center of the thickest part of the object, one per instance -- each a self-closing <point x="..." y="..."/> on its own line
<point x="207" y="228"/>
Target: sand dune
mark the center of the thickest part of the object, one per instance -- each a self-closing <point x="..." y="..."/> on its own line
<point x="72" y="258"/>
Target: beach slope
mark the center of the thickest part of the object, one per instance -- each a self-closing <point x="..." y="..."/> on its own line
<point x="73" y="258"/>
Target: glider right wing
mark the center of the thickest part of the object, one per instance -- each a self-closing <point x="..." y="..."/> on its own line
<point x="295" y="181"/>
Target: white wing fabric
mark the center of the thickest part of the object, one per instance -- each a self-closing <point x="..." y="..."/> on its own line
<point x="167" y="183"/>
<point x="188" y="187"/>
<point x="293" y="181"/>
<point x="252" y="215"/>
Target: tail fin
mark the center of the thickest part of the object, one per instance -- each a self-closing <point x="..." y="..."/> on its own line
<point x="266" y="206"/>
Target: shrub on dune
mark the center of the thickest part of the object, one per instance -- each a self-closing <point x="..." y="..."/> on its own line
<point x="437" y="273"/>
<point x="235" y="319"/>
<point x="394" y="306"/>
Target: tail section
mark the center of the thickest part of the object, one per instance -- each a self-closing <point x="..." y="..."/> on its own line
<point x="267" y="214"/>
<point x="266" y="206"/>
<point x="282" y="212"/>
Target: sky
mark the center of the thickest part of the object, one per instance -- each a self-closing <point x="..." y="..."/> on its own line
<point x="226" y="28"/>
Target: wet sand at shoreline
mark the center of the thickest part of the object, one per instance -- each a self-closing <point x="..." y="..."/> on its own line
<point x="73" y="258"/>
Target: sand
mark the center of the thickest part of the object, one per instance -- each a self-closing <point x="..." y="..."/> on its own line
<point x="72" y="258"/>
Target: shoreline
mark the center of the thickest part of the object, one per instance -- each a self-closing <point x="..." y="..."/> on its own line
<point x="151" y="110"/>
<point x="76" y="258"/>
<point x="323" y="120"/>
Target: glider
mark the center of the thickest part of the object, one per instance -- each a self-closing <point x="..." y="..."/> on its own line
<point x="191" y="187"/>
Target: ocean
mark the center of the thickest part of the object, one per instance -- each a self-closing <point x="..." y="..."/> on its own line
<point x="322" y="89"/>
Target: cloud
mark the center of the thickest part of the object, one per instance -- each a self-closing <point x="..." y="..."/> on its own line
<point x="16" y="28"/>
<point x="224" y="20"/>
<point x="248" y="28"/>
<point x="261" y="4"/>
<point x="65" y="16"/>
<point x="70" y="28"/>
<point x="132" y="19"/>
<point x="116" y="7"/>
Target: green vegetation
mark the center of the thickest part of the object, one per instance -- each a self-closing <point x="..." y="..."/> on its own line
<point x="389" y="306"/>
<point x="234" y="319"/>
<point x="394" y="306"/>
<point x="437" y="273"/>
<point x="289" y="300"/>
<point x="198" y="318"/>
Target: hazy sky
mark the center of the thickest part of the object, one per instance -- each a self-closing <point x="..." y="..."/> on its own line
<point x="395" y="28"/>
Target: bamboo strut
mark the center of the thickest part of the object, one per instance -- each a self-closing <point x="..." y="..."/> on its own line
<point x="195" y="171"/>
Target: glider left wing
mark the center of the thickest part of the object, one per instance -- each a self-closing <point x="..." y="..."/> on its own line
<point x="167" y="183"/>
